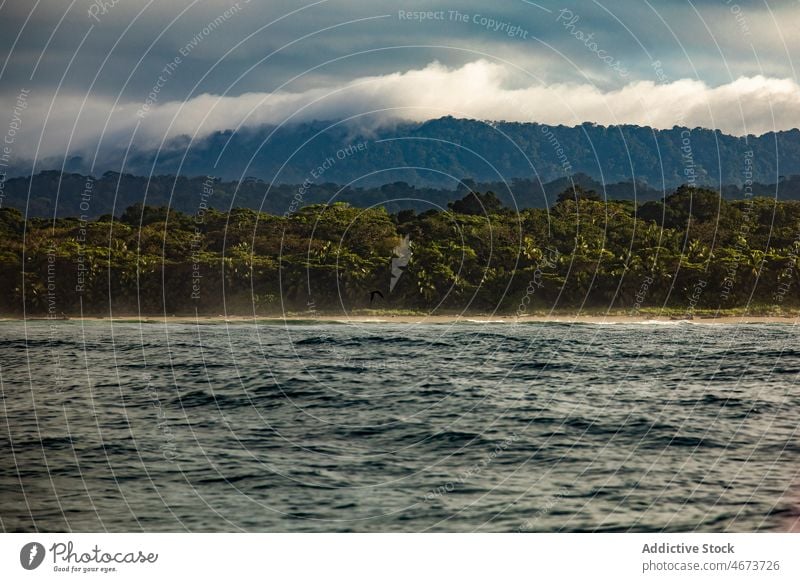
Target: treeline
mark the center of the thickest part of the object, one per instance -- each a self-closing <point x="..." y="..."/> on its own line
<point x="52" y="193"/>
<point x="692" y="250"/>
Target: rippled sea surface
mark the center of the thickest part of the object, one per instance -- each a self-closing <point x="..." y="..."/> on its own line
<point x="393" y="427"/>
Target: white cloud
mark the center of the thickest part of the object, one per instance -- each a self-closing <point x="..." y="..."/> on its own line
<point x="480" y="89"/>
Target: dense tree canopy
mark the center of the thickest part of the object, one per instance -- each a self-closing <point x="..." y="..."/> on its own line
<point x="689" y="251"/>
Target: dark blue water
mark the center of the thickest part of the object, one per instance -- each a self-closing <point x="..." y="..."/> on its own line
<point x="376" y="427"/>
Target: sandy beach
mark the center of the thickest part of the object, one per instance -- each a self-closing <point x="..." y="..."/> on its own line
<point x="345" y="318"/>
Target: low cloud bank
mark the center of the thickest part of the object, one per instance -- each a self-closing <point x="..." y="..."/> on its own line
<point x="481" y="90"/>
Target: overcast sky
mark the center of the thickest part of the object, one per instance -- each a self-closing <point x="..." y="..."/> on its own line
<point x="135" y="70"/>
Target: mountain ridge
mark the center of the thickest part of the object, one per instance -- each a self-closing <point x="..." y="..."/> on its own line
<point x="439" y="152"/>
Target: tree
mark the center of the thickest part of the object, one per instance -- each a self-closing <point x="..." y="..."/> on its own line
<point x="576" y="193"/>
<point x="476" y="203"/>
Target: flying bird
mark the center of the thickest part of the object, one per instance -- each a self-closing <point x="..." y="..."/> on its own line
<point x="373" y="294"/>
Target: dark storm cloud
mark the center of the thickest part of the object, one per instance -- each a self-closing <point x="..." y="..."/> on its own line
<point x="634" y="32"/>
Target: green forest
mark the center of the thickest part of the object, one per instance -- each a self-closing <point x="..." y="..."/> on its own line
<point x="693" y="252"/>
<point x="51" y="193"/>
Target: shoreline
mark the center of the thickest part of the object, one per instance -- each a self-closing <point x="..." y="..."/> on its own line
<point x="415" y="319"/>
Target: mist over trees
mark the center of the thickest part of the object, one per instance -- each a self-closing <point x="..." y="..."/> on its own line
<point x="437" y="152"/>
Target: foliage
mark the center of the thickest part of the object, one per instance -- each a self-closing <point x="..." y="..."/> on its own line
<point x="690" y="250"/>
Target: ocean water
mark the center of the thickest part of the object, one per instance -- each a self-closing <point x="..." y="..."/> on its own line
<point x="392" y="427"/>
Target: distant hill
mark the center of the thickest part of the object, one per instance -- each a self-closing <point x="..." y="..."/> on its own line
<point x="63" y="195"/>
<point x="438" y="152"/>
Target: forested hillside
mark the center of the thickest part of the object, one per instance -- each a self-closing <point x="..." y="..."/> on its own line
<point x="49" y="194"/>
<point x="437" y="152"/>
